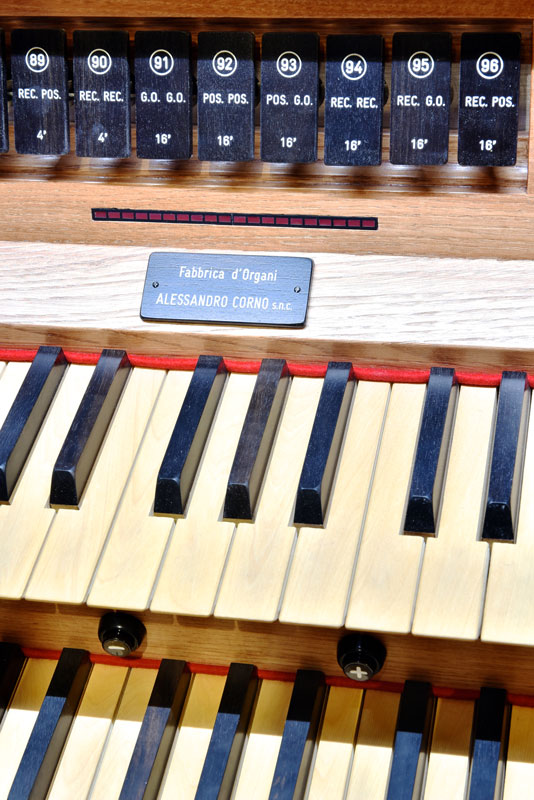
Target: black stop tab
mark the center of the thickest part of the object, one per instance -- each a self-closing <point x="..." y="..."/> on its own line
<point x="40" y="97"/>
<point x="226" y="95"/>
<point x="489" y="99"/>
<point x="289" y="97"/>
<point x="4" y="139"/>
<point x="102" y="94"/>
<point x="354" y="95"/>
<point x="163" y="94"/>
<point x="420" y="98"/>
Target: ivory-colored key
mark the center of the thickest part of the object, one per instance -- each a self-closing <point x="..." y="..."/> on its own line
<point x="519" y="774"/>
<point x="322" y="566"/>
<point x="259" y="556"/>
<point x="448" y="762"/>
<point x="191" y="744"/>
<point x="336" y="744"/>
<point x="194" y="562"/>
<point x="11" y="378"/>
<point x="453" y="577"/>
<point x="388" y="563"/>
<point x="120" y="744"/>
<point x="127" y="571"/>
<point x="509" y="604"/>
<point x="374" y="746"/>
<point x="263" y="741"/>
<point x="29" y="513"/>
<point x="88" y="734"/>
<point x="20" y="718"/>
<point x="66" y="564"/>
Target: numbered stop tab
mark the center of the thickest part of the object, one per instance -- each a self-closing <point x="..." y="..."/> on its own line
<point x="163" y="94"/>
<point x="353" y="100"/>
<point x="226" y="96"/>
<point x="102" y="94"/>
<point x="420" y="98"/>
<point x="489" y="99"/>
<point x="4" y="141"/>
<point x="289" y="97"/>
<point x="40" y="97"/>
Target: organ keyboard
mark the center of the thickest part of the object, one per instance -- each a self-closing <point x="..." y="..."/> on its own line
<point x="345" y="742"/>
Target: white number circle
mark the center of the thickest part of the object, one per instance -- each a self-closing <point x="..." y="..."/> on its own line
<point x="224" y="63"/>
<point x="420" y="64"/>
<point x="490" y="65"/>
<point x="288" y="64"/>
<point x="99" y="61"/>
<point x="161" y="62"/>
<point x="354" y="67"/>
<point x="37" y="59"/>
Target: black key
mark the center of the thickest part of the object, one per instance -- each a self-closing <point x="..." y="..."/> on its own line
<point x="300" y="730"/>
<point x="163" y="94"/>
<point x="101" y="94"/>
<point x="42" y="753"/>
<point x="431" y="453"/>
<point x="4" y="135"/>
<point x="354" y="97"/>
<point x="226" y="743"/>
<point x="40" y="96"/>
<point x="324" y="445"/>
<point x="256" y="438"/>
<point x="11" y="664"/>
<point x="420" y="98"/>
<point x="289" y="97"/>
<point x="489" y="99"/>
<point x="82" y="444"/>
<point x="507" y="461"/>
<point x="226" y="85"/>
<point x="23" y="422"/>
<point x="154" y="741"/>
<point x="413" y="723"/>
<point x="186" y="445"/>
<point x="487" y="744"/>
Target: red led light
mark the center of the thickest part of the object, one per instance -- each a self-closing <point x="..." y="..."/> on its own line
<point x="240" y="219"/>
<point x="127" y="215"/>
<point x="253" y="220"/>
<point x="355" y="223"/>
<point x="197" y="217"/>
<point x="182" y="217"/>
<point x="267" y="220"/>
<point x="114" y="214"/>
<point x="282" y="221"/>
<point x="169" y="217"/>
<point x="141" y="215"/>
<point x="325" y="222"/>
<point x="310" y="222"/>
<point x="154" y="216"/>
<point x="210" y="217"/>
<point x="100" y="214"/>
<point x="368" y="223"/>
<point x="225" y="218"/>
<point x="340" y="223"/>
<point x="296" y="221"/>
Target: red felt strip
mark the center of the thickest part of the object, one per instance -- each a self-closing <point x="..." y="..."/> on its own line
<point x="361" y="372"/>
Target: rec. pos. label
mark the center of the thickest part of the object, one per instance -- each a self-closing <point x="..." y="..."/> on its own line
<point x="247" y="290"/>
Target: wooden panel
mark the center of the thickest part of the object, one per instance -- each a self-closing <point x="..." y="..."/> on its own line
<point x="49" y="298"/>
<point x="270" y="8"/>
<point x="447" y="224"/>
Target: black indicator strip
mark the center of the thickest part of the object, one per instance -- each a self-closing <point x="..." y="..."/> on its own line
<point x="256" y="220"/>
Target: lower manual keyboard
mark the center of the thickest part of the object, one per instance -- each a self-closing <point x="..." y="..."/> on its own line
<point x="137" y="732"/>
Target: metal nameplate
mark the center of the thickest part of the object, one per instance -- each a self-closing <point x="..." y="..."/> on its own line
<point x="247" y="290"/>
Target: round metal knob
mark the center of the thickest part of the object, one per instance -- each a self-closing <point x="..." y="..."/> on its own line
<point x="120" y="633"/>
<point x="360" y="656"/>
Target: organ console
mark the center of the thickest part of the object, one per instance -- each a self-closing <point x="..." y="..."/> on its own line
<point x="312" y="545"/>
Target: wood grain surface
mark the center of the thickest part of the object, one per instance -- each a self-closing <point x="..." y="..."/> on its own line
<point x="369" y="309"/>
